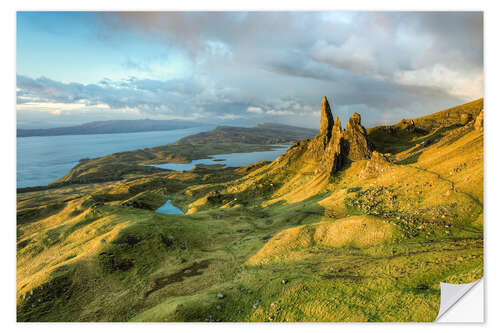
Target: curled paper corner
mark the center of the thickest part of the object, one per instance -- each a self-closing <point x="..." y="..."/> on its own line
<point x="451" y="294"/>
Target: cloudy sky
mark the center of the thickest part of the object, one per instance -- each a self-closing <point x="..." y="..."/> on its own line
<point x="244" y="68"/>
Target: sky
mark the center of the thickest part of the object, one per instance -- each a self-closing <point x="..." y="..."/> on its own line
<point x="243" y="68"/>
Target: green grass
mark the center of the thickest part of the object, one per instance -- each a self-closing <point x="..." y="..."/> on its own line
<point x="32" y="214"/>
<point x="377" y="283"/>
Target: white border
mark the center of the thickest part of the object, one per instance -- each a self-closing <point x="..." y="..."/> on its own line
<point x="8" y="178"/>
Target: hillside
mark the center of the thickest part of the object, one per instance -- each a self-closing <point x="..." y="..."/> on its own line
<point x="264" y="133"/>
<point x="406" y="133"/>
<point x="350" y="225"/>
<point x="111" y="126"/>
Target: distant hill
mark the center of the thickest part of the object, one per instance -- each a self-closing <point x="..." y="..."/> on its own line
<point x="263" y="133"/>
<point x="111" y="126"/>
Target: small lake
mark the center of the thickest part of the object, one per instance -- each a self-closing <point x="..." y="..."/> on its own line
<point x="229" y="160"/>
<point x="169" y="208"/>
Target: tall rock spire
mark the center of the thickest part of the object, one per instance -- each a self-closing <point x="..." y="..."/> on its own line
<point x="326" y="118"/>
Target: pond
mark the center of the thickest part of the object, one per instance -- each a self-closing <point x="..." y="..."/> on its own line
<point x="169" y="208"/>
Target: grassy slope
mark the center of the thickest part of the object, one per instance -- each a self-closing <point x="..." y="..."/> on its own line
<point x="280" y="246"/>
<point x="401" y="136"/>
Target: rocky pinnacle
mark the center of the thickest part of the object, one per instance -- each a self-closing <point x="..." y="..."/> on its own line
<point x="326" y="118"/>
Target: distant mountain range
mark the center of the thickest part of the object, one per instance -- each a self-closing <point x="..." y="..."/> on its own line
<point x="111" y="126"/>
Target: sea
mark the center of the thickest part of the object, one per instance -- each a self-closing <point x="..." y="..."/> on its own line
<point x="42" y="160"/>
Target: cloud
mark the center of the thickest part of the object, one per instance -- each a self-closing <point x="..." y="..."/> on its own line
<point x="230" y="116"/>
<point x="353" y="55"/>
<point x="464" y="85"/>
<point x="279" y="113"/>
<point x="150" y="96"/>
<point x="255" y="109"/>
<point x="258" y="66"/>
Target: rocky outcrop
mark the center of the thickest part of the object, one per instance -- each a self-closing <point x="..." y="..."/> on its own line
<point x="410" y="127"/>
<point x="357" y="145"/>
<point x="465" y="118"/>
<point x="377" y="165"/>
<point x="334" y="147"/>
<point x="478" y="123"/>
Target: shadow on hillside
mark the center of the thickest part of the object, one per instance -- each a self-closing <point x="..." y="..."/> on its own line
<point x="389" y="139"/>
<point x="410" y="160"/>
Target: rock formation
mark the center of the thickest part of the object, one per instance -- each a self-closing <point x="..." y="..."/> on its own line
<point x="333" y="159"/>
<point x="377" y="165"/>
<point x="357" y="146"/>
<point x="326" y="119"/>
<point x="334" y="147"/>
